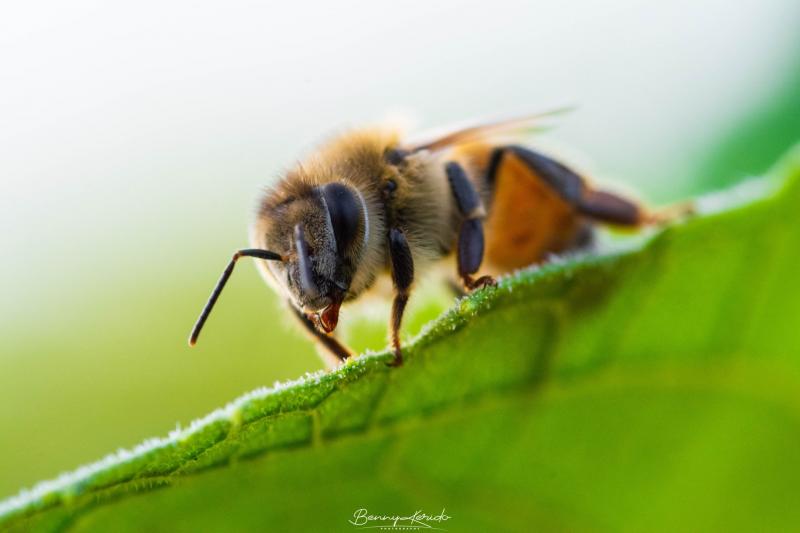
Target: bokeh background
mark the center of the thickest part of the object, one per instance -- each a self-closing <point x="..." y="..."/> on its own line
<point x="134" y="140"/>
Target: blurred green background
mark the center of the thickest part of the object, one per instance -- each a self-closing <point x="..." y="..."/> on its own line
<point x="134" y="141"/>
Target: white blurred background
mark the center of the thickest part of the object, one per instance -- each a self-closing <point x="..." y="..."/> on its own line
<point x="157" y="122"/>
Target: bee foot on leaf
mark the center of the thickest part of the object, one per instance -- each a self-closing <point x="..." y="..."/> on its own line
<point x="483" y="281"/>
<point x="398" y="359"/>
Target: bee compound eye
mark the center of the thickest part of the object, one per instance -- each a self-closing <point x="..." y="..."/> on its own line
<point x="345" y="213"/>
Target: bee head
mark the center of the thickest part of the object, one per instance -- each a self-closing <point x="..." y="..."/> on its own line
<point x="311" y="241"/>
<point x="320" y="233"/>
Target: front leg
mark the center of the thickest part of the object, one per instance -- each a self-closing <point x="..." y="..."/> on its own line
<point x="332" y="352"/>
<point x="470" y="237"/>
<point x="402" y="277"/>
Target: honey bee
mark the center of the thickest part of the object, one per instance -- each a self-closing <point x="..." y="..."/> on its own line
<point x="367" y="204"/>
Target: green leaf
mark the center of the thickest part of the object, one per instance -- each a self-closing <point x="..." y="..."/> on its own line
<point x="656" y="387"/>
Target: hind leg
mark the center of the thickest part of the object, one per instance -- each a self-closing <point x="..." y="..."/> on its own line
<point x="614" y="209"/>
<point x="598" y="205"/>
<point x="402" y="278"/>
<point x="610" y="208"/>
<point x="470" y="238"/>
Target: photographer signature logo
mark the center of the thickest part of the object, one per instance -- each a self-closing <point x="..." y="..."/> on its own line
<point x="362" y="519"/>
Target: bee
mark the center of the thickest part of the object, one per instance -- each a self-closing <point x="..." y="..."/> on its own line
<point x="368" y="204"/>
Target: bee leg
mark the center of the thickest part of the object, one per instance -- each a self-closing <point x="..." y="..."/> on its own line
<point x="470" y="237"/>
<point x="332" y="351"/>
<point x="597" y="205"/>
<point x="402" y="277"/>
<point x="610" y="208"/>
<point x="670" y="213"/>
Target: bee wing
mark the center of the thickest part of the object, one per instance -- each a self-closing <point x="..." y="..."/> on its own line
<point x="515" y="127"/>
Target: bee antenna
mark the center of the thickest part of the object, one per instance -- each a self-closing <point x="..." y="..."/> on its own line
<point x="304" y="262"/>
<point x="250" y="252"/>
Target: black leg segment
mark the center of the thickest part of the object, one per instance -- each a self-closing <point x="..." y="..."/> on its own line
<point x="402" y="262"/>
<point x="470" y="237"/>
<point x="469" y="203"/>
<point x="470" y="247"/>
<point x="402" y="277"/>
<point x="608" y="207"/>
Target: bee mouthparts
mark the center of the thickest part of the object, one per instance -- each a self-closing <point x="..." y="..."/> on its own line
<point x="329" y="317"/>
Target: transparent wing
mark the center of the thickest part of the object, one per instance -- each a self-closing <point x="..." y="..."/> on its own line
<point x="514" y="127"/>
